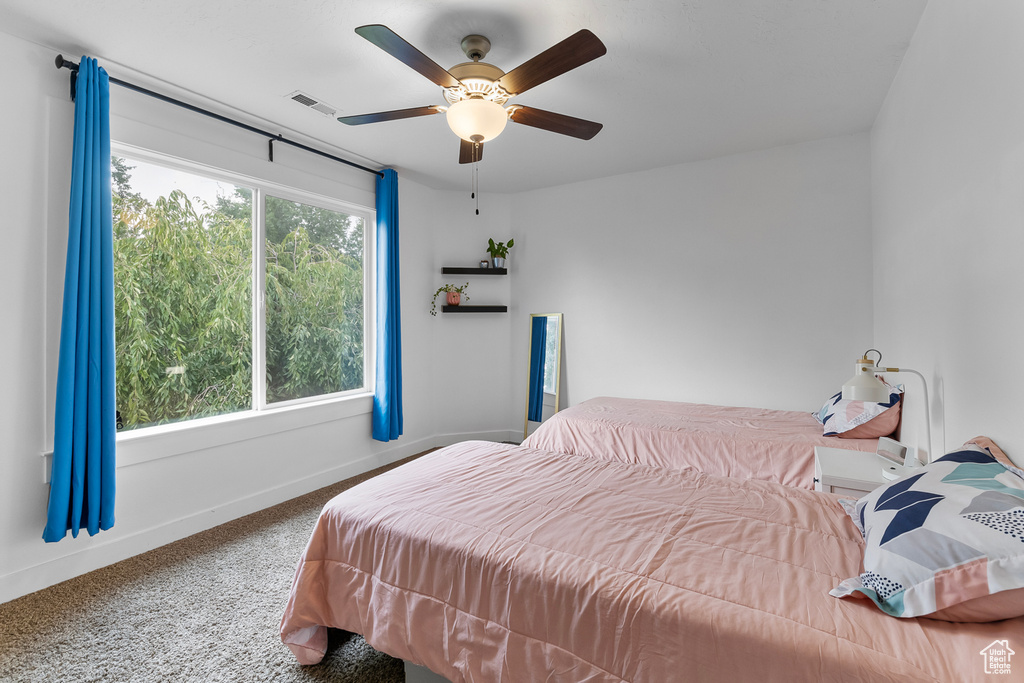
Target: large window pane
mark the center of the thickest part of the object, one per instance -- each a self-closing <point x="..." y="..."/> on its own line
<point x="314" y="286"/>
<point x="182" y="294"/>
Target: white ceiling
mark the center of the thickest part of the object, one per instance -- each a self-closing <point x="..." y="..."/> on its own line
<point x="683" y="79"/>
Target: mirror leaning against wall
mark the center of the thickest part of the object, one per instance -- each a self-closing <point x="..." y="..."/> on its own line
<point x="544" y="387"/>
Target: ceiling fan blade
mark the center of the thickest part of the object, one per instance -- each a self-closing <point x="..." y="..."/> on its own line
<point x="392" y="115"/>
<point x="576" y="50"/>
<point x="397" y="47"/>
<point x="556" y="123"/>
<point x="470" y="152"/>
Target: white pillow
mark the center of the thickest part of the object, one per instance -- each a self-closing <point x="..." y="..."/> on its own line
<point x="946" y="541"/>
<point x="839" y="415"/>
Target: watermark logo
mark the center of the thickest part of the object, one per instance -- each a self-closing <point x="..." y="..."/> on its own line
<point x="997" y="657"/>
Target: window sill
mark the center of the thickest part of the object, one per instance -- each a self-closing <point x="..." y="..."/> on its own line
<point x="153" y="443"/>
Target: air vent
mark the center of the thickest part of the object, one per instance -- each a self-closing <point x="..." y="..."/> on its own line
<point x="312" y="103"/>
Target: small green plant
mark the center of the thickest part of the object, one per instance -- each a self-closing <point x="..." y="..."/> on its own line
<point x="499" y="249"/>
<point x="445" y="288"/>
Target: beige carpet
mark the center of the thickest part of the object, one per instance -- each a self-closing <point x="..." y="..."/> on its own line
<point x="206" y="608"/>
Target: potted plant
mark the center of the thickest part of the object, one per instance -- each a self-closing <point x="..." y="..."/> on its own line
<point x="499" y="251"/>
<point x="455" y="294"/>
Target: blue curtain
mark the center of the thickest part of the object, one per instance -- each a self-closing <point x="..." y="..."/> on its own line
<point x="538" y="346"/>
<point x="82" y="478"/>
<point x="387" y="399"/>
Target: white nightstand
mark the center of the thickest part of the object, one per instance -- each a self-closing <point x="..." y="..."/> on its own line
<point x="850" y="473"/>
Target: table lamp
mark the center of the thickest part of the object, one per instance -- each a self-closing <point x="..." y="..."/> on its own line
<point x="865" y="386"/>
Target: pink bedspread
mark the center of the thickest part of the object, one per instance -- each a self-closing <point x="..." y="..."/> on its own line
<point x="746" y="443"/>
<point x="492" y="563"/>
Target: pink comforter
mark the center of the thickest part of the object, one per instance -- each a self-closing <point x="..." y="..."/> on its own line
<point x="745" y="443"/>
<point x="493" y="563"/>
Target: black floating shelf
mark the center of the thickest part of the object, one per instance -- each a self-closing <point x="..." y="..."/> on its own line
<point x="449" y="270"/>
<point x="474" y="309"/>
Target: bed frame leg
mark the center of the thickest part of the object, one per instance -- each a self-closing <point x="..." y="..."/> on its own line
<point x="415" y="673"/>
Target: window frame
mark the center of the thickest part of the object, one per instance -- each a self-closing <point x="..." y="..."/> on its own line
<point x="286" y="410"/>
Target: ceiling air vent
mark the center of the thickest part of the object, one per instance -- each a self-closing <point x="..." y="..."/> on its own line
<point x="312" y="103"/>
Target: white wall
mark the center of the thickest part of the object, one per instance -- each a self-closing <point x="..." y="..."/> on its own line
<point x="948" y="213"/>
<point x="468" y="352"/>
<point x="743" y="280"/>
<point x="182" y="482"/>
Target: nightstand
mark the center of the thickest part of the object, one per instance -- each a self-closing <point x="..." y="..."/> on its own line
<point x="850" y="473"/>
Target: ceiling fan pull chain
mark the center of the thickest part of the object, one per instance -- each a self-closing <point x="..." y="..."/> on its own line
<point x="476" y="185"/>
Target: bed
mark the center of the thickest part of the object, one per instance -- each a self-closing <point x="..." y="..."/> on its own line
<point x="489" y="563"/>
<point x="746" y="443"/>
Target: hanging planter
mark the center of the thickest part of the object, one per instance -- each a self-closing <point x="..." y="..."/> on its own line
<point x="454" y="298"/>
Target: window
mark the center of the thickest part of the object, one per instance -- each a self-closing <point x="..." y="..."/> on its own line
<point x="550" y="354"/>
<point x="190" y="342"/>
<point x="314" y="320"/>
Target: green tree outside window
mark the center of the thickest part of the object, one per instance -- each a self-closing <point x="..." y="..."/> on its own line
<point x="183" y="302"/>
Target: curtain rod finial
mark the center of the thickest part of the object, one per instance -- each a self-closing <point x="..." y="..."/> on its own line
<point x="59" y="61"/>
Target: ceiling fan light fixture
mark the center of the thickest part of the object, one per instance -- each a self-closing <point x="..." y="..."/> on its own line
<point x="476" y="120"/>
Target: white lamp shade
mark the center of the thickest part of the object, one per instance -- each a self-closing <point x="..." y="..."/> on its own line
<point x="477" y="120"/>
<point x="864" y="386"/>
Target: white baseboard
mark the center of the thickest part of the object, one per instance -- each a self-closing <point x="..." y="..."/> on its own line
<point x="102" y="553"/>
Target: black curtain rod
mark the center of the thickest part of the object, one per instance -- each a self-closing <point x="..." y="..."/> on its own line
<point x="272" y="138"/>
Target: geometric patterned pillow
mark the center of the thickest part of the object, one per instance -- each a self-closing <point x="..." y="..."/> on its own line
<point x="839" y="415"/>
<point x="950" y="533"/>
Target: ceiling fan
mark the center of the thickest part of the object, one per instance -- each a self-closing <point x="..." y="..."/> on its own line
<point x="475" y="91"/>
